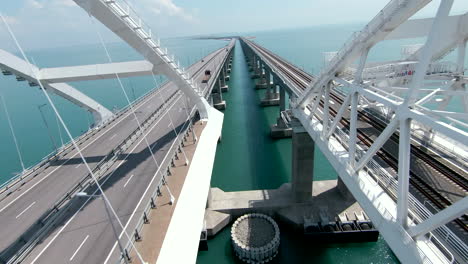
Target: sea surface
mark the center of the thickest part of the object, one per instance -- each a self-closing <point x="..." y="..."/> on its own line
<point x="246" y="158"/>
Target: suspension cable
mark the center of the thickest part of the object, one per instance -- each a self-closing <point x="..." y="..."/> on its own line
<point x="12" y="133"/>
<point x="172" y="199"/>
<point x="60" y="131"/>
<point x="104" y="196"/>
<point x="170" y="118"/>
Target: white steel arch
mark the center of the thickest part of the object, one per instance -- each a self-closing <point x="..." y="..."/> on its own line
<point x="14" y="65"/>
<point x="402" y="98"/>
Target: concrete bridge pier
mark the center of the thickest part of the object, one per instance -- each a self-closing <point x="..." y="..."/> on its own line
<point x="217" y="97"/>
<point x="222" y="81"/>
<point x="282" y="128"/>
<point x="250" y="59"/>
<point x="302" y="164"/>
<point x="264" y="78"/>
<point x="226" y="76"/>
<point x="257" y="68"/>
<point x="272" y="97"/>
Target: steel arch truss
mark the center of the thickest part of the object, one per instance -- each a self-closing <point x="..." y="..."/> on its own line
<point x="411" y="109"/>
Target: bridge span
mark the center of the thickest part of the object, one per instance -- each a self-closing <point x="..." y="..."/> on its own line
<point x="403" y="160"/>
<point x="38" y="208"/>
<point x="414" y="189"/>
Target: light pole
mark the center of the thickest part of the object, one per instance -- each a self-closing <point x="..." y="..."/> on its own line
<point x="47" y="126"/>
<point x="84" y="194"/>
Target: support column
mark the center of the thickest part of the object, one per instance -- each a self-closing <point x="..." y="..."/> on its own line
<point x="302" y="164"/>
<point x="256" y="71"/>
<point x="281" y="129"/>
<point x="229" y="66"/>
<point x="250" y="60"/>
<point x="263" y="73"/>
<point x="226" y="76"/>
<point x="271" y="96"/>
<point x="282" y="95"/>
<point x="223" y="84"/>
<point x="217" y="96"/>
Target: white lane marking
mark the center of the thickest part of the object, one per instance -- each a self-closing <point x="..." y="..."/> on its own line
<point x="76" y="167"/>
<point x="58" y="167"/>
<point x="25" y="210"/>
<point x="89" y="198"/>
<point x="78" y="249"/>
<point x="131" y="176"/>
<point x="113" y="137"/>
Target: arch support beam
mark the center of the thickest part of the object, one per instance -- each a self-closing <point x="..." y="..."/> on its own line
<point x="21" y="68"/>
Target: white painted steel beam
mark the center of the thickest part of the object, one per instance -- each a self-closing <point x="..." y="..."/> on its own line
<point x="353" y="129"/>
<point x="22" y="68"/>
<point x="455" y="31"/>
<point x="404" y="151"/>
<point x="392" y="15"/>
<point x="378" y="143"/>
<point x="97" y="71"/>
<point x="365" y="179"/>
<point x="418" y="28"/>
<point x="378" y="205"/>
<point x="428" y="51"/>
<point x="135" y="33"/>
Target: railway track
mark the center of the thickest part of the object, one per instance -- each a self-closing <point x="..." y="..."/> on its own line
<point x="416" y="182"/>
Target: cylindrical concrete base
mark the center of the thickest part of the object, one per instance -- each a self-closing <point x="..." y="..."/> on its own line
<point x="255" y="238"/>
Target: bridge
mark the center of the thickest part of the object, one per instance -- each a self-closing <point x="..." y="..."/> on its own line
<point x="403" y="160"/>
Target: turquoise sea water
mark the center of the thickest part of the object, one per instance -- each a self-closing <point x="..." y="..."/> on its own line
<point x="246" y="158"/>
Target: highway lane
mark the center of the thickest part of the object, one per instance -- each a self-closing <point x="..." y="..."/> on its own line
<point x="20" y="210"/>
<point x="92" y="219"/>
<point x="130" y="180"/>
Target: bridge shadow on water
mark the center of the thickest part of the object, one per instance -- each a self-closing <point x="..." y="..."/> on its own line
<point x="247" y="158"/>
<point x="129" y="162"/>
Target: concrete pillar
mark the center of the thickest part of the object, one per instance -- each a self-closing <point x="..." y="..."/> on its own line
<point x="282" y="95"/>
<point x="217" y="97"/>
<point x="264" y="76"/>
<point x="266" y="80"/>
<point x="256" y="71"/>
<point x="271" y="96"/>
<point x="223" y="84"/>
<point x="226" y="76"/>
<point x="302" y="164"/>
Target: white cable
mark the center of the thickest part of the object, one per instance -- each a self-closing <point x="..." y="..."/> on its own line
<point x="59" y="130"/>
<point x="170" y="119"/>
<point x="104" y="196"/>
<point x="101" y="39"/>
<point x="13" y="133"/>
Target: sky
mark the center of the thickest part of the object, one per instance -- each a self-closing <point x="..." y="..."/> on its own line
<point x="54" y="23"/>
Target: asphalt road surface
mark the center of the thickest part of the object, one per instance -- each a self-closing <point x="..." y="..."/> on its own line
<point x="86" y="235"/>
